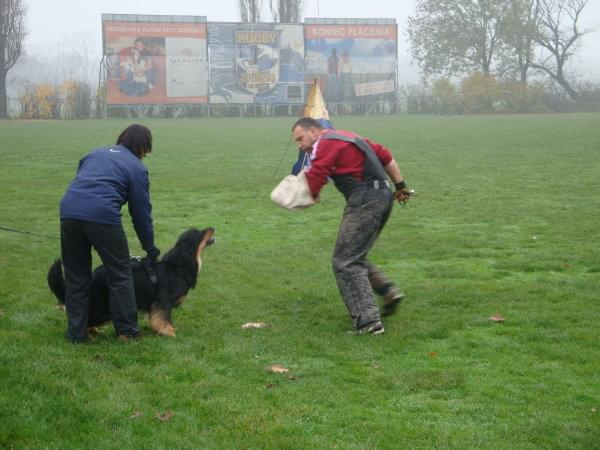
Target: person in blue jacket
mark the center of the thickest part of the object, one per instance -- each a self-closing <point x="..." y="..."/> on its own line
<point x="90" y="216"/>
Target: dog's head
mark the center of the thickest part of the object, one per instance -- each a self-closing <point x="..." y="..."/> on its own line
<point x="189" y="246"/>
<point x="202" y="239"/>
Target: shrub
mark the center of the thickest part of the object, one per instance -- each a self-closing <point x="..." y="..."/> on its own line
<point x="76" y="99"/>
<point x="520" y="97"/>
<point x="480" y="93"/>
<point x="39" y="102"/>
<point x="446" y="100"/>
<point x="417" y="98"/>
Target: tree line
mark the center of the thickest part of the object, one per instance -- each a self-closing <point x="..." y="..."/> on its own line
<point x="510" y="39"/>
<point x="479" y="55"/>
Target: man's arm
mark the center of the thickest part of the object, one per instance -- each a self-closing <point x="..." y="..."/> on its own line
<point x="393" y="170"/>
<point x="140" y="209"/>
<point x="323" y="157"/>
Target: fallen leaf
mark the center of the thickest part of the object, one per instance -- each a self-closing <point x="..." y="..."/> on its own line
<point x="593" y="409"/>
<point x="136" y="414"/>
<point x="270" y="385"/>
<point x="432" y="355"/>
<point x="1" y="312"/>
<point x="62" y="307"/>
<point x="497" y="318"/>
<point x="164" y="417"/>
<point x="292" y="378"/>
<point x="276" y="368"/>
<point x="252" y="325"/>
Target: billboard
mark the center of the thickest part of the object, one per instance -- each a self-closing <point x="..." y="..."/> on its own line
<point x="354" y="60"/>
<point x="155" y="59"/>
<point x="256" y="63"/>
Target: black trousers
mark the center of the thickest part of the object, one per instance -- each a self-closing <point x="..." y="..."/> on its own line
<point x="77" y="239"/>
<point x="366" y="212"/>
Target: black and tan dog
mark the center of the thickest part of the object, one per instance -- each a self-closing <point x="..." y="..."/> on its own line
<point x="159" y="287"/>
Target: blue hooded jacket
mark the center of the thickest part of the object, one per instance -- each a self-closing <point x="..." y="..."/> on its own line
<point x="106" y="179"/>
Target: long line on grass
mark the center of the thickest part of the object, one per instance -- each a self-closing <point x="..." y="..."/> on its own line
<point x="281" y="158"/>
<point x="12" y="230"/>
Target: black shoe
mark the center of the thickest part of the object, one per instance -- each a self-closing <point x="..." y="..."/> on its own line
<point x="129" y="337"/>
<point x="76" y="340"/>
<point x="391" y="301"/>
<point x="373" y="328"/>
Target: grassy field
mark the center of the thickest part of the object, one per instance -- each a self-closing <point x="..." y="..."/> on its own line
<point x="506" y="221"/>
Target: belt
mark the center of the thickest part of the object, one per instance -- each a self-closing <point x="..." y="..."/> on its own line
<point x="379" y="184"/>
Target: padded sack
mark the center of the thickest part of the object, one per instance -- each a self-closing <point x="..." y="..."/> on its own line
<point x="293" y="192"/>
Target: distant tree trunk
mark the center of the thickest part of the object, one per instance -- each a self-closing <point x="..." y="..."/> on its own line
<point x="287" y="11"/>
<point x="518" y="35"/>
<point x="3" y="97"/>
<point x="250" y="10"/>
<point x="558" y="34"/>
<point x="12" y="35"/>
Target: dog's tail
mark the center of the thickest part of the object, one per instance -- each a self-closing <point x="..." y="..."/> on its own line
<point x="56" y="281"/>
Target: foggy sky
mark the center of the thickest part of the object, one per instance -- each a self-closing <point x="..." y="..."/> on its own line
<point x="50" y="22"/>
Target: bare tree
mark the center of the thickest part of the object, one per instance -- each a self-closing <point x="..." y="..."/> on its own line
<point x="12" y="35"/>
<point x="287" y="11"/>
<point x="558" y="36"/>
<point x="518" y="36"/>
<point x="77" y="58"/>
<point x="454" y="36"/>
<point x="250" y="10"/>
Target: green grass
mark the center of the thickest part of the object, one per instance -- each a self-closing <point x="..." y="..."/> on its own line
<point x="506" y="221"/>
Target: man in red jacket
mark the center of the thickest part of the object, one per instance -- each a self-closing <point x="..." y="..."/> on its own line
<point x="360" y="169"/>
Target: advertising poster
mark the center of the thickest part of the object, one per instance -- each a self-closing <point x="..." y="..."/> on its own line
<point x="353" y="62"/>
<point x="155" y="62"/>
<point x="256" y="63"/>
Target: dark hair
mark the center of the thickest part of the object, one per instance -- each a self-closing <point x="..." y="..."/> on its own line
<point x="137" y="138"/>
<point x="306" y="123"/>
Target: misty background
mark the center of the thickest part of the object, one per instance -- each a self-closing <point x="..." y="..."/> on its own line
<point x="64" y="38"/>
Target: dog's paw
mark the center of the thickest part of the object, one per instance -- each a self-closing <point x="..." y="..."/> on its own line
<point x="167" y="330"/>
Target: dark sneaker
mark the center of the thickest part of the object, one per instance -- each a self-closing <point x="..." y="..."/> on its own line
<point x="76" y="339"/>
<point x="373" y="328"/>
<point x="126" y="338"/>
<point x="390" y="301"/>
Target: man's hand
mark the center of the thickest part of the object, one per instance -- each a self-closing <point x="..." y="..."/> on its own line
<point x="402" y="193"/>
<point x="153" y="254"/>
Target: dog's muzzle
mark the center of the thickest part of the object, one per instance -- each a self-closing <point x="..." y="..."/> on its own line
<point x="213" y="239"/>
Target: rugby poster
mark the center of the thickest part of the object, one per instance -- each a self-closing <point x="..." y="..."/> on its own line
<point x="256" y="63"/>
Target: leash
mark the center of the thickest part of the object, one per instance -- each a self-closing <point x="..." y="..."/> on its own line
<point x="151" y="273"/>
<point x="281" y="158"/>
<point x="148" y="268"/>
<point x="12" y="230"/>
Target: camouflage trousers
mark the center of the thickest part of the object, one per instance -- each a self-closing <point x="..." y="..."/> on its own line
<point x="366" y="212"/>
